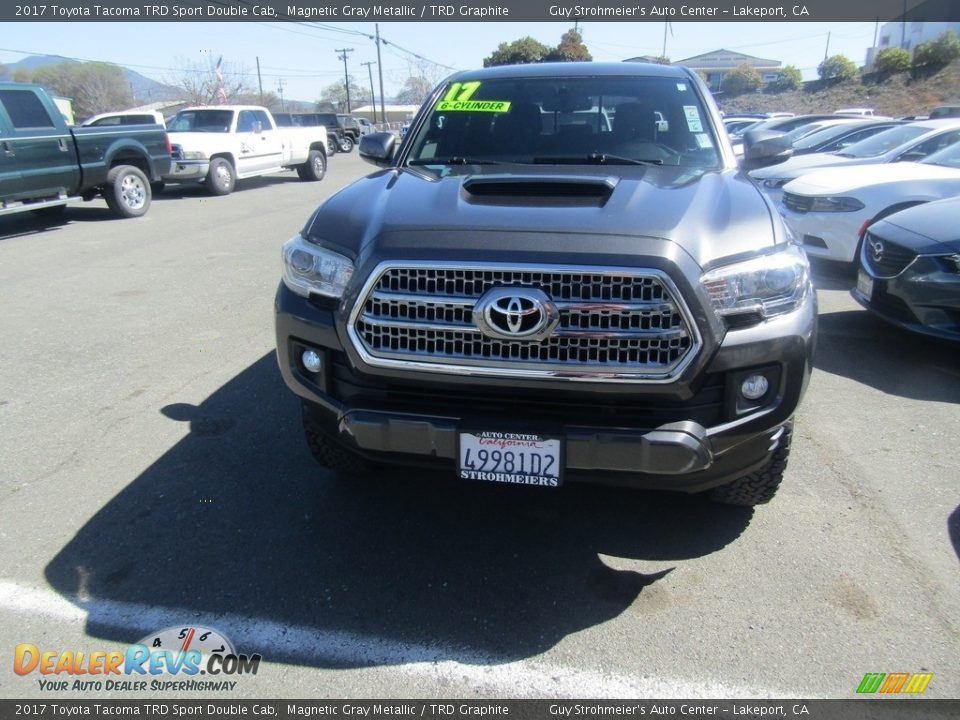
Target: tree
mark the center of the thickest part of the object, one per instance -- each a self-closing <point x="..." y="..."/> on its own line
<point x="789" y="78"/>
<point x="892" y="60"/>
<point x="519" y="52"/>
<point x="269" y="100"/>
<point x="335" y="94"/>
<point x="414" y="91"/>
<point x="570" y="49"/>
<point x="22" y="75"/>
<point x="942" y="51"/>
<point x="742" y="79"/>
<point x="200" y="85"/>
<point x="94" y="87"/>
<point x="838" y="68"/>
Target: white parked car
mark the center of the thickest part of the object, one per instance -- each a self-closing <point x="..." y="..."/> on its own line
<point x="829" y="210"/>
<point x="221" y="144"/>
<point x="124" y="117"/>
<point x="913" y="141"/>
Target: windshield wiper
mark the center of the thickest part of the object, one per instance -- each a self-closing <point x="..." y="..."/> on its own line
<point x="594" y="159"/>
<point x="455" y="160"/>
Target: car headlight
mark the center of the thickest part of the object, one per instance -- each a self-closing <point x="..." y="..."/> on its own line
<point x="309" y="268"/>
<point x="775" y="183"/>
<point x="769" y="285"/>
<point x="194" y="155"/>
<point x="836" y="204"/>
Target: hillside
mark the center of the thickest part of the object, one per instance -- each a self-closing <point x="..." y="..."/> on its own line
<point x="897" y="96"/>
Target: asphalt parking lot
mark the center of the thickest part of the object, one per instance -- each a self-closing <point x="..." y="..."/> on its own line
<point x="155" y="474"/>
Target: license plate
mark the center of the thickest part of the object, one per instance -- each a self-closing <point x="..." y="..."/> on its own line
<point x="864" y="284"/>
<point x="506" y="457"/>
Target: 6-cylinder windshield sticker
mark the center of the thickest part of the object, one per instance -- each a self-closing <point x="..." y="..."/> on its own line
<point x="458" y="99"/>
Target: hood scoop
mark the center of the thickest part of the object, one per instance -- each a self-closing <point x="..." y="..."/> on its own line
<point x="554" y="190"/>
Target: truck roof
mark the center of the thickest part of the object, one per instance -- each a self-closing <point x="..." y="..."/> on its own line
<point x="574" y="69"/>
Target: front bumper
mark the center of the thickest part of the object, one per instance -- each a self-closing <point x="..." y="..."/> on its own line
<point x="923" y="298"/>
<point x="187" y="170"/>
<point x="689" y="436"/>
<point x="830" y="236"/>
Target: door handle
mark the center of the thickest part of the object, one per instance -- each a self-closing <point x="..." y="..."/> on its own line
<point x="7" y="149"/>
<point x="62" y="144"/>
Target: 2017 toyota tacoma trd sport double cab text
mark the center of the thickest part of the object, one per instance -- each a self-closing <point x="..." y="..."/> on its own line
<point x="561" y="274"/>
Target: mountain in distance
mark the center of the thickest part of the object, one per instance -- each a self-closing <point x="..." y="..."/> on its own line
<point x="144" y="89"/>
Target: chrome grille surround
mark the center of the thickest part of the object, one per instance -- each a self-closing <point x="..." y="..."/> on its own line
<point x="616" y="324"/>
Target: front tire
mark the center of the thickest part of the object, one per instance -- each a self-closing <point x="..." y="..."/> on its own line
<point x="332" y="145"/>
<point x="127" y="191"/>
<point x="346" y="144"/>
<point x="760" y="486"/>
<point x="327" y="451"/>
<point x="220" y="178"/>
<point x="314" y="168"/>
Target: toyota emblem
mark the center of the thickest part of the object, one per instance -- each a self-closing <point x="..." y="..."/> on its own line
<point x="516" y="313"/>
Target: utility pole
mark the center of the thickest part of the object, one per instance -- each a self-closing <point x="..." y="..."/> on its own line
<point x="373" y="98"/>
<point x="383" y="112"/>
<point x="259" y="80"/>
<point x="346" y="77"/>
<point x="826" y="52"/>
<point x="283" y="106"/>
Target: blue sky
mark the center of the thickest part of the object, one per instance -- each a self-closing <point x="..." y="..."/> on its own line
<point x="303" y="57"/>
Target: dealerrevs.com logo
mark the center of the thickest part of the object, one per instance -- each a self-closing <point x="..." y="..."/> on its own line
<point x="170" y="660"/>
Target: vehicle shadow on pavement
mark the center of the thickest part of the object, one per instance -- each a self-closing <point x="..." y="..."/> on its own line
<point x="857" y="345"/>
<point x="196" y="189"/>
<point x="953" y="530"/>
<point x="832" y="276"/>
<point x="237" y="518"/>
<point x="28" y="223"/>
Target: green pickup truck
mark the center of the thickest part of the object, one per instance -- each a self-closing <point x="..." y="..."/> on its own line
<point x="45" y="164"/>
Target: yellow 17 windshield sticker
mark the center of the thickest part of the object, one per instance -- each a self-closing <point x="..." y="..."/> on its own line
<point x="458" y="99"/>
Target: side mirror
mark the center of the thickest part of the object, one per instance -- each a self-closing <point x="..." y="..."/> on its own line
<point x="377" y="148"/>
<point x="762" y="148"/>
<point x="911" y="156"/>
<point x="258" y="127"/>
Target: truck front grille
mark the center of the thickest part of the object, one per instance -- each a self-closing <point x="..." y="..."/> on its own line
<point x="610" y="323"/>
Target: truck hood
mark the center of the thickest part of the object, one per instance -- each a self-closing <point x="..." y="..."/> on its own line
<point x="550" y="210"/>
<point x="200" y="141"/>
<point x="849" y="179"/>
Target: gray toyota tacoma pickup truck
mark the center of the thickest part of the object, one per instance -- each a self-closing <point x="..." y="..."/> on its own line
<point x="561" y="274"/>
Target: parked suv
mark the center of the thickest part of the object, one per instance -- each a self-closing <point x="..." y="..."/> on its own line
<point x="523" y="301"/>
<point x="351" y="131"/>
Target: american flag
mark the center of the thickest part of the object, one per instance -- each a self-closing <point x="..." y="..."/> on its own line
<point x="221" y="91"/>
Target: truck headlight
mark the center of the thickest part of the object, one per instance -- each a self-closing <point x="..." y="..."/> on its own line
<point x="194" y="155"/>
<point x="836" y="204"/>
<point x="309" y="268"/>
<point x="769" y="285"/>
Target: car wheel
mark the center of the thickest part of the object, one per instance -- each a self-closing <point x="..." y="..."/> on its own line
<point x="332" y="145"/>
<point x="314" y="168"/>
<point x="220" y="179"/>
<point x="346" y="144"/>
<point x="127" y="191"/>
<point x="325" y="450"/>
<point x="760" y="486"/>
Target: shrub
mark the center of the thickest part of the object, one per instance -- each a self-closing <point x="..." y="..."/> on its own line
<point x="743" y="78"/>
<point x="838" y="68"/>
<point x="790" y="79"/>
<point x="892" y="60"/>
<point x="942" y="51"/>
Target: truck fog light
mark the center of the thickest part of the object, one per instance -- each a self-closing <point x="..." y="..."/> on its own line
<point x="314" y="363"/>
<point x="754" y="387"/>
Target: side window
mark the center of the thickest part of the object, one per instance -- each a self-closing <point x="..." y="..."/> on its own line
<point x="114" y="120"/>
<point x="264" y="119"/>
<point x="25" y="109"/>
<point x="245" y="122"/>
<point x="928" y="147"/>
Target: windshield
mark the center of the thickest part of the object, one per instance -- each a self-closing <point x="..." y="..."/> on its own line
<point x="590" y="120"/>
<point x="884" y="142"/>
<point x="202" y="121"/>
<point x="948" y="157"/>
<point x="825" y="135"/>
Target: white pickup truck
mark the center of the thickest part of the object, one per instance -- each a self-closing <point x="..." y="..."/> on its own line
<point x="220" y="144"/>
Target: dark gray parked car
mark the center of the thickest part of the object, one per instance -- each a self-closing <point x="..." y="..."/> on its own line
<point x="910" y="269"/>
<point x="561" y="273"/>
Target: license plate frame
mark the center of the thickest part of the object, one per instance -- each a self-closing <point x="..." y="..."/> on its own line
<point x="864" y="284"/>
<point x="537" y="458"/>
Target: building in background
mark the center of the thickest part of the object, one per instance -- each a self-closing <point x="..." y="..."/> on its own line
<point x="715" y="65"/>
<point x="908" y="35"/>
